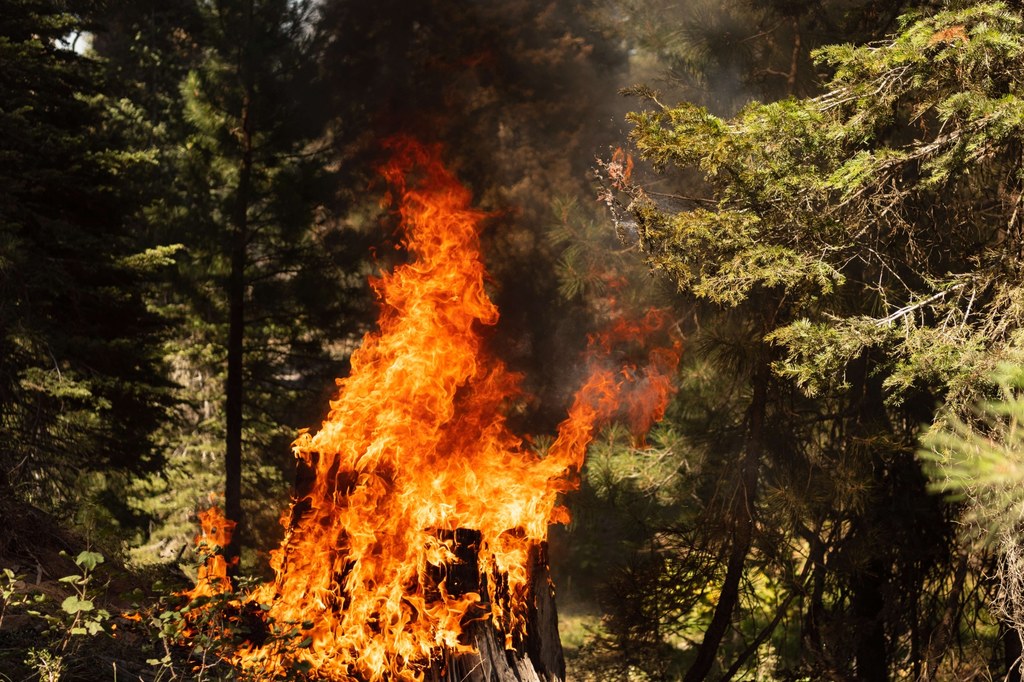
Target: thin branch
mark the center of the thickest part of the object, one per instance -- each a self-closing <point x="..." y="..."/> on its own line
<point x="681" y="197"/>
<point x="906" y="310"/>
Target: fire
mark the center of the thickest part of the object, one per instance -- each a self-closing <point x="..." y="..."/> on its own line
<point x="425" y="513"/>
<point x="620" y="168"/>
<point x="215" y="535"/>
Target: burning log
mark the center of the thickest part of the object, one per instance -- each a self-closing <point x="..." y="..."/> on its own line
<point x="461" y="574"/>
<point x="413" y="546"/>
<point x="538" y="659"/>
<point x="535" y="658"/>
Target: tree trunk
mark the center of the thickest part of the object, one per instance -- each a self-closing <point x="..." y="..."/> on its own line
<point x="538" y="659"/>
<point x="868" y="580"/>
<point x="742" y="512"/>
<point x="234" y="397"/>
<point x="871" y="652"/>
<point x="1012" y="651"/>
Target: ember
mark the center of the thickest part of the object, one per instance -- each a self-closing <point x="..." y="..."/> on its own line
<point x="423" y="514"/>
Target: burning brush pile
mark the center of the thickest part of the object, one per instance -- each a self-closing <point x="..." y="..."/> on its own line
<point x="417" y="539"/>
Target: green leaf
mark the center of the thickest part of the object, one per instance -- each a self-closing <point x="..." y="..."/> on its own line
<point x="75" y="604"/>
<point x="89" y="560"/>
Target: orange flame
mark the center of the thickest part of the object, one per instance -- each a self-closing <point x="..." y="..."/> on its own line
<point x="215" y="534"/>
<point x="620" y="168"/>
<point x="425" y="512"/>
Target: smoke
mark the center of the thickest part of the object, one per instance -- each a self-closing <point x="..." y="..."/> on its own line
<point x="524" y="95"/>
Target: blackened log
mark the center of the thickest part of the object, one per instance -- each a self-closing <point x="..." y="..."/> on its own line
<point x="538" y="659"/>
<point x="462" y="575"/>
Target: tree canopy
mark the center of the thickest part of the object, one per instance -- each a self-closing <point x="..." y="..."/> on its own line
<point x="867" y="242"/>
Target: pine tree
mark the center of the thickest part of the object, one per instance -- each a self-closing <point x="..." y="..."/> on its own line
<point x="256" y="173"/>
<point x="269" y="287"/>
<point x="856" y="236"/>
<point x="82" y="388"/>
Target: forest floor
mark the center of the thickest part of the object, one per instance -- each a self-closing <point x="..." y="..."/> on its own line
<point x="74" y="612"/>
<point x="69" y="611"/>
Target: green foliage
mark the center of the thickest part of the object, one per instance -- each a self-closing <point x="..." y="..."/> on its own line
<point x="81" y="381"/>
<point x="817" y="354"/>
<point x="86" y="619"/>
<point x="72" y="631"/>
<point x="12" y="595"/>
<point x="63" y="633"/>
<point x="819" y="201"/>
<point x="47" y="665"/>
<point x="979" y="462"/>
<point x="581" y="262"/>
<point x="862" y="244"/>
<point x="981" y="459"/>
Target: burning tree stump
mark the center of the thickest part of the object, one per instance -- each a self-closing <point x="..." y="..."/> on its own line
<point x="537" y="658"/>
<point x="540" y="661"/>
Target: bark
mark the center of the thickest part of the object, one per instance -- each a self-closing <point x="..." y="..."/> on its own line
<point x="868" y="581"/>
<point x="811" y="634"/>
<point x="742" y="513"/>
<point x="1012" y="651"/>
<point x="794" y="63"/>
<point x="234" y="396"/>
<point x="537" y="659"/>
<point x="871" y="652"/>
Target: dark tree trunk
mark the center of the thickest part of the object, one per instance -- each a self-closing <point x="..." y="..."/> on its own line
<point x="871" y="653"/>
<point x="538" y="659"/>
<point x="742" y="513"/>
<point x="234" y="396"/>
<point x="869" y="579"/>
<point x="1012" y="651"/>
